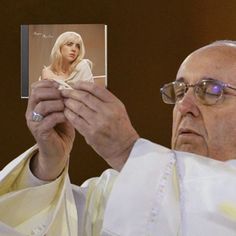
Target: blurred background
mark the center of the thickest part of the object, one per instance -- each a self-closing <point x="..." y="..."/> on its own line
<point x="147" y="41"/>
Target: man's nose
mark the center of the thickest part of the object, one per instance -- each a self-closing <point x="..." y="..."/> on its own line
<point x="188" y="104"/>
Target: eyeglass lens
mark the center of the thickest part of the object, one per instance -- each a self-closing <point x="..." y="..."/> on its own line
<point x="207" y="91"/>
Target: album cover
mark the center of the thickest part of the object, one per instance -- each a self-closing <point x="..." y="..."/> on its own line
<point x="63" y="52"/>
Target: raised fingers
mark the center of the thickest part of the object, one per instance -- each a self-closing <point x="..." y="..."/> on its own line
<point x="80" y="109"/>
<point x="45" y="101"/>
<point x="98" y="91"/>
<point x="43" y="94"/>
<point x="45" y="83"/>
<point x="84" y="97"/>
<point x="47" y="124"/>
<point x="47" y="107"/>
<point x="78" y="122"/>
<point x="42" y="91"/>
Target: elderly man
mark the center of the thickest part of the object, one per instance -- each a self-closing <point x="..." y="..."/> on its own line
<point x="152" y="190"/>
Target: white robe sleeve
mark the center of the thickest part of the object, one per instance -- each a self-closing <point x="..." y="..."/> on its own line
<point x="29" y="206"/>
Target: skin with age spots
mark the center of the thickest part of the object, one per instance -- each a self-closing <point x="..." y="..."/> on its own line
<point x="202" y="129"/>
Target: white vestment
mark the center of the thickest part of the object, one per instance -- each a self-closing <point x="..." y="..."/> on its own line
<point x="158" y="192"/>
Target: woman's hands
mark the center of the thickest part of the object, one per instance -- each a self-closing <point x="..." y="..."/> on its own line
<point x="103" y="121"/>
<point x="54" y="134"/>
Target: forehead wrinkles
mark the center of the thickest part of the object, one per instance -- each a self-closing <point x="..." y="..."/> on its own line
<point x="211" y="61"/>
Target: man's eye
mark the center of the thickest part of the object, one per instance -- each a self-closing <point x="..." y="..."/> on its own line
<point x="213" y="89"/>
<point x="179" y="90"/>
<point x="179" y="93"/>
<point x="210" y="89"/>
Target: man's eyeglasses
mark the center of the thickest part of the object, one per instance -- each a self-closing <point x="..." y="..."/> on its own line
<point x="207" y="91"/>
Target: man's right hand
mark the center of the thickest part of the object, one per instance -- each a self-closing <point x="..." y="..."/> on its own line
<point x="54" y="134"/>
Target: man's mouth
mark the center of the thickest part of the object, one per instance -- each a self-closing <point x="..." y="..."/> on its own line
<point x="186" y="131"/>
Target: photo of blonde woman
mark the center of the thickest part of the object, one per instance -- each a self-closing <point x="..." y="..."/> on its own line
<point x="67" y="61"/>
<point x="66" y="53"/>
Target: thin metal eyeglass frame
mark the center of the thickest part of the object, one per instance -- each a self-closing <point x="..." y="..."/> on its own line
<point x="187" y="86"/>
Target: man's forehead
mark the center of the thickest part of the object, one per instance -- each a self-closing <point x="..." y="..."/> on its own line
<point x="215" y="50"/>
<point x="213" y="60"/>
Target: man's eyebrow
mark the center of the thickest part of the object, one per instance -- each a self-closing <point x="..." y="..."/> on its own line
<point x="180" y="79"/>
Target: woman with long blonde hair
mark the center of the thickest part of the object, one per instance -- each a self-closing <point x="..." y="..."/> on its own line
<point x="67" y="60"/>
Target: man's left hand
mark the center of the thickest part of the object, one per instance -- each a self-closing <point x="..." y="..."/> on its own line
<point x="103" y="121"/>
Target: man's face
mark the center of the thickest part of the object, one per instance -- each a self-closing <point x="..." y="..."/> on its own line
<point x="202" y="129"/>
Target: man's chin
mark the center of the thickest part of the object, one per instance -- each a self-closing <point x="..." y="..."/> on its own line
<point x="195" y="149"/>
